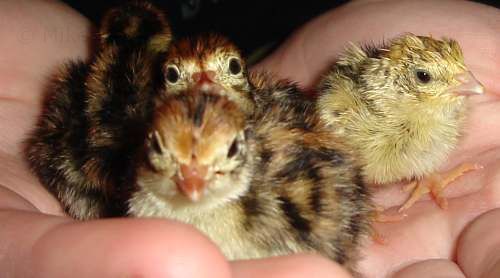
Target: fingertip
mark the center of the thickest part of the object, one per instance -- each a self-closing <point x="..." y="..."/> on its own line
<point x="299" y="265"/>
<point x="157" y="248"/>
<point x="478" y="248"/>
<point x="130" y="248"/>
<point x="445" y="268"/>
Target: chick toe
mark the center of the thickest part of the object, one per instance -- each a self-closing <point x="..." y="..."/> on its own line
<point x="419" y="188"/>
<point x="382" y="217"/>
<point x="435" y="184"/>
<point x="440" y="181"/>
<point x="378" y="238"/>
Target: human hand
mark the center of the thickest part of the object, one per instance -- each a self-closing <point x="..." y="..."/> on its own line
<point x="36" y="239"/>
<point x="461" y="240"/>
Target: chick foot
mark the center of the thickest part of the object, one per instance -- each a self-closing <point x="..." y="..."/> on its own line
<point x="435" y="184"/>
<point x="378" y="238"/>
<point x="382" y="217"/>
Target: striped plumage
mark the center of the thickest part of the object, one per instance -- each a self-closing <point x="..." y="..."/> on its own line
<point x="324" y="198"/>
<point x="95" y="114"/>
<point x="298" y="188"/>
<point x="136" y="24"/>
<point x="289" y="185"/>
<point x="57" y="148"/>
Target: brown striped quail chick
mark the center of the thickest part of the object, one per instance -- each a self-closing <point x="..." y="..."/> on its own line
<point x="95" y="113"/>
<point x="212" y="60"/>
<point x="259" y="185"/>
<point x="402" y="107"/>
<point x="207" y="60"/>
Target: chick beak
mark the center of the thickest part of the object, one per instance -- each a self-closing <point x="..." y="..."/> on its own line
<point x="469" y="85"/>
<point x="204" y="79"/>
<point x="191" y="181"/>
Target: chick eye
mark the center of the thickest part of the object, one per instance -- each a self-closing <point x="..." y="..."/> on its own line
<point x="234" y="66"/>
<point x="423" y="76"/>
<point x="172" y="74"/>
<point x="154" y="143"/>
<point x="233" y="149"/>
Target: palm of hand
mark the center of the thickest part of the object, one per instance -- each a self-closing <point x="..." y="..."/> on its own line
<point x="428" y="232"/>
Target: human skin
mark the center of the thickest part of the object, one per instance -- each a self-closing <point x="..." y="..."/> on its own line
<point x="37" y="240"/>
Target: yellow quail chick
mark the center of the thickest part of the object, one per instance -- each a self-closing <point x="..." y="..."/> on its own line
<point x="258" y="185"/>
<point x="402" y="108"/>
<point x="94" y="114"/>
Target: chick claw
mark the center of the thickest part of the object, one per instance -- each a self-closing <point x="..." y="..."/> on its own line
<point x="435" y="184"/>
<point x="382" y="217"/>
<point x="378" y="238"/>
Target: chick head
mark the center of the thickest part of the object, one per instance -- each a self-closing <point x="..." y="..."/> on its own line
<point x="206" y="62"/>
<point x="136" y="23"/>
<point x="418" y="71"/>
<point x="198" y="151"/>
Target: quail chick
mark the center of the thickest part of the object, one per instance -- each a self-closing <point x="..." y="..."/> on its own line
<point x="95" y="113"/>
<point x="56" y="148"/>
<point x="124" y="79"/>
<point x="402" y="108"/>
<point x="258" y="186"/>
<point x="213" y="60"/>
<point x="207" y="60"/>
<point x="136" y="24"/>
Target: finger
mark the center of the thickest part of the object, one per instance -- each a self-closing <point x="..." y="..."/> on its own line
<point x="46" y="246"/>
<point x="445" y="268"/>
<point x="10" y="200"/>
<point x="302" y="265"/>
<point x="478" y="249"/>
<point x="37" y="37"/>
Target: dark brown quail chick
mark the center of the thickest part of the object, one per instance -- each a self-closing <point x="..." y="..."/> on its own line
<point x="136" y="24"/>
<point x="95" y="113"/>
<point x="124" y="80"/>
<point x="269" y="183"/>
<point x="402" y="108"/>
<point x="203" y="61"/>
<point x="213" y="60"/>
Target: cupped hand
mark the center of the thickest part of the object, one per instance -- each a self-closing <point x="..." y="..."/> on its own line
<point x="36" y="239"/>
<point x="464" y="239"/>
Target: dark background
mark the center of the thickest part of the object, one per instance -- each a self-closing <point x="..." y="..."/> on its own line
<point x="252" y="25"/>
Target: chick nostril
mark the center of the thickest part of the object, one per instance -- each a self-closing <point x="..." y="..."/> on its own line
<point x="196" y="76"/>
<point x="193" y="170"/>
<point x="210" y="75"/>
<point x="204" y="77"/>
<point x="469" y="85"/>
